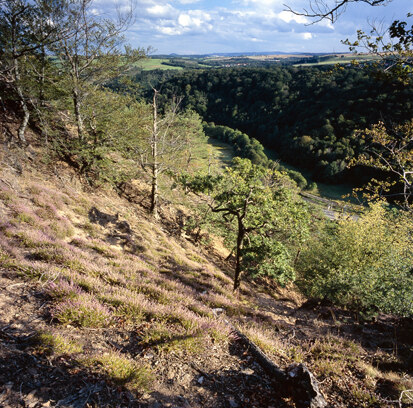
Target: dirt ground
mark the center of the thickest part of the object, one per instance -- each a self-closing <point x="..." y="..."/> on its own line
<point x="223" y="377"/>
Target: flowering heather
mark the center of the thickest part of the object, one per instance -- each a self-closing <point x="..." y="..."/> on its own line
<point x="22" y="213"/>
<point x="219" y="301"/>
<point x="61" y="227"/>
<point x="86" y="282"/>
<point x="199" y="308"/>
<point x="47" y="212"/>
<point x="33" y="238"/>
<point x="129" y="304"/>
<point x="83" y="311"/>
<point x="63" y="289"/>
<point x="176" y="287"/>
<point x="6" y="194"/>
<point x="79" y="242"/>
<point x="8" y="247"/>
<point x="44" y="197"/>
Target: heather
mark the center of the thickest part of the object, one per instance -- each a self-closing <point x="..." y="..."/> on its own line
<point x="127" y="299"/>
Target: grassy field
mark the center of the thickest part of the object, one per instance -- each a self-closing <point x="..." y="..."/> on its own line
<point x="211" y="153"/>
<point x="340" y="59"/>
<point x="150" y="64"/>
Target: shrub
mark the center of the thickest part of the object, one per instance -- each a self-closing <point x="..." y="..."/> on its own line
<point x="363" y="264"/>
<point x="56" y="344"/>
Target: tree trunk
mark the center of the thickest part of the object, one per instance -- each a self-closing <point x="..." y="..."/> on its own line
<point x="154" y="153"/>
<point x="26" y="112"/>
<point x="238" y="255"/>
<point x="154" y="192"/>
<point x="42" y="78"/>
<point x="78" y="115"/>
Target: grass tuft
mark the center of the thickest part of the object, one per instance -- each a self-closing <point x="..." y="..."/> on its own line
<point x="82" y="311"/>
<point x="123" y="371"/>
<point x="50" y="343"/>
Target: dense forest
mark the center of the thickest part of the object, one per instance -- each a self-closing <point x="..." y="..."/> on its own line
<point x="307" y="115"/>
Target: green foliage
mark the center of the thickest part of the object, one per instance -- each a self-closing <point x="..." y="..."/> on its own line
<point x="394" y="57"/>
<point x="260" y="213"/>
<point x="363" y="264"/>
<point x="111" y="123"/>
<point x="307" y="115"/>
<point x="244" y="146"/>
<point x="266" y="256"/>
<point x="390" y="150"/>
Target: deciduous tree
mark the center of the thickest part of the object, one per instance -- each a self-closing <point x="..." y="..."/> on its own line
<point x="93" y="54"/>
<point x="158" y="144"/>
<point x="390" y="149"/>
<point x="26" y="29"/>
<point x="261" y="213"/>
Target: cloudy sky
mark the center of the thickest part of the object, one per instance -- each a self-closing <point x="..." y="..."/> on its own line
<point x="209" y="26"/>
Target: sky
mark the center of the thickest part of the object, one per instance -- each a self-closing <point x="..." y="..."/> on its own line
<point x="236" y="26"/>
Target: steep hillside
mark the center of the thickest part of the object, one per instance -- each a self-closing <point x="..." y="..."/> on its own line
<point x="103" y="307"/>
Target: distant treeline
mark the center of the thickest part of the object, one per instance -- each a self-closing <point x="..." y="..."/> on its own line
<point x="307" y="114"/>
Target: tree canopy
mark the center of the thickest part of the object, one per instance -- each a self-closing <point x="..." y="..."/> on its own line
<point x="262" y="214"/>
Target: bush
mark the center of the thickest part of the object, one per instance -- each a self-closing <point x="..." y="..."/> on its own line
<point x="363" y="264"/>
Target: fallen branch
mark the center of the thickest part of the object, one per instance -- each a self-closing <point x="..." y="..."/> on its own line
<point x="408" y="394"/>
<point x="296" y="380"/>
<point x="80" y="399"/>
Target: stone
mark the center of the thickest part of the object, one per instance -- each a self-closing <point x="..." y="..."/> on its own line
<point x="217" y="311"/>
<point x="304" y="387"/>
<point x="233" y="403"/>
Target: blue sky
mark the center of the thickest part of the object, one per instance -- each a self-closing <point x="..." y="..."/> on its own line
<point x="209" y="26"/>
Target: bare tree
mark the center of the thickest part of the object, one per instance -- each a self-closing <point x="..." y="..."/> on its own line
<point x="166" y="137"/>
<point x="20" y="39"/>
<point x="94" y="52"/>
<point x="330" y="9"/>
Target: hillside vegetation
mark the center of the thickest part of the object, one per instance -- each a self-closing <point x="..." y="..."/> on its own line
<point x="307" y="115"/>
<point x="143" y="249"/>
<point x="102" y="298"/>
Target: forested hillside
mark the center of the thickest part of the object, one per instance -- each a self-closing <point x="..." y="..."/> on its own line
<point x="307" y="115"/>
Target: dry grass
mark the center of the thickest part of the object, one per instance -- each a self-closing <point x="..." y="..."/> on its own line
<point x="161" y="287"/>
<point x="93" y="282"/>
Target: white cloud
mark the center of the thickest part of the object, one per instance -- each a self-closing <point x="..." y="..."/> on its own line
<point x="287" y="17"/>
<point x="262" y="3"/>
<point x="189" y="1"/>
<point x="161" y="11"/>
<point x="170" y="30"/>
<point x="306" y="36"/>
<point x="239" y="25"/>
